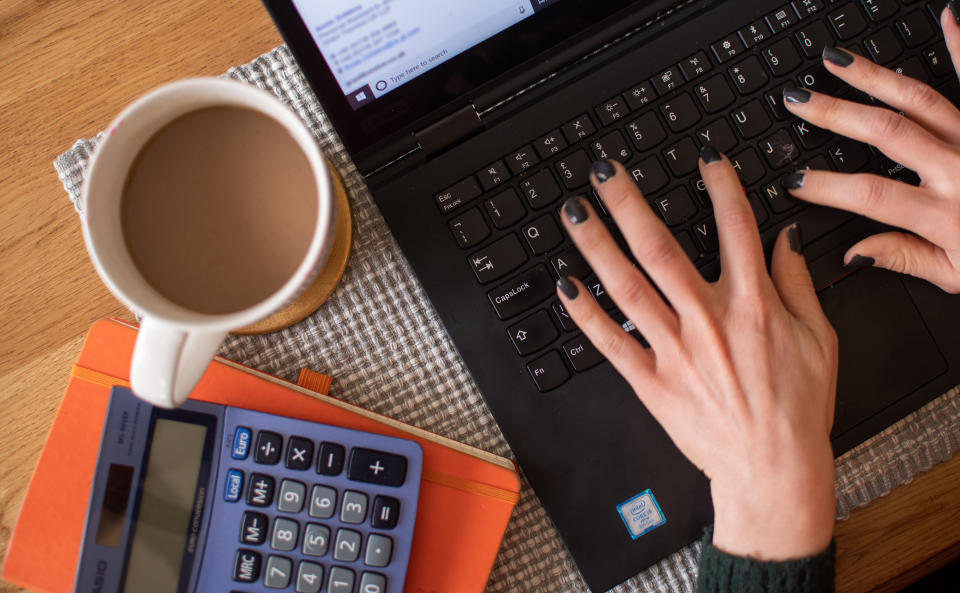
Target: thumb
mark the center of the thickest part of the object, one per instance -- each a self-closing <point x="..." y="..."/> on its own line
<point x="906" y="254"/>
<point x="792" y="279"/>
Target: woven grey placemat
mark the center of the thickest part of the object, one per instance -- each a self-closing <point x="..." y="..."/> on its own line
<point x="380" y="338"/>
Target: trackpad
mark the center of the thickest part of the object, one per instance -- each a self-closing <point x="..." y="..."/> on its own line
<point x="886" y="351"/>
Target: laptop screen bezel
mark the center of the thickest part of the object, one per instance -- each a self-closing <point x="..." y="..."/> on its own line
<point x="452" y="84"/>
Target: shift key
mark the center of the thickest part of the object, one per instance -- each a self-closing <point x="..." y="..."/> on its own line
<point x="523" y="292"/>
<point x="498" y="259"/>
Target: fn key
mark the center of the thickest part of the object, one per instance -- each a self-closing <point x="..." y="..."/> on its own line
<point x="548" y="371"/>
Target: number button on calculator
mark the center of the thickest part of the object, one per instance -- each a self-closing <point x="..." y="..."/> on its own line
<point x="291" y="496"/>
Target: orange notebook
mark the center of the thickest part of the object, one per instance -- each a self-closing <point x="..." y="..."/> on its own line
<point x="466" y="495"/>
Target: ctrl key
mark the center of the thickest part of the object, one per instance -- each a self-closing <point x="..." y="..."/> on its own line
<point x="246" y="566"/>
<point x="548" y="371"/>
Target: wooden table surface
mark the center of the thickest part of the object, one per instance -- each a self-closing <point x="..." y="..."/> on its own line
<point x="66" y="68"/>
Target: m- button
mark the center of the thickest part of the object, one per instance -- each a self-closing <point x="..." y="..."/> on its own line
<point x="376" y="467"/>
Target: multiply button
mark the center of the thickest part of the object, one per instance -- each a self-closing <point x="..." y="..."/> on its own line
<point x="376" y="467"/>
<point x="386" y="512"/>
<point x="269" y="445"/>
<point x="299" y="453"/>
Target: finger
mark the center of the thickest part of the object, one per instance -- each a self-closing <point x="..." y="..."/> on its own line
<point x="626" y="354"/>
<point x="740" y="249"/>
<point x="879" y="198"/>
<point x="917" y="100"/>
<point x="648" y="237"/>
<point x="625" y="284"/>
<point x="951" y="33"/>
<point x="906" y="254"/>
<point x="788" y="269"/>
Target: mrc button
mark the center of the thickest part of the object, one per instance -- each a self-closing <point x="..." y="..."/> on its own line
<point x="376" y="467"/>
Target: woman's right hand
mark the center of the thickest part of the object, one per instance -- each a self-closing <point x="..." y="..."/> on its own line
<point x="924" y="137"/>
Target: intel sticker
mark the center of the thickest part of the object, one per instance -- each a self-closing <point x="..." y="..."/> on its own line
<point x="641" y="514"/>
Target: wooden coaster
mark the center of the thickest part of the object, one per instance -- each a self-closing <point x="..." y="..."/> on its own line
<point x="322" y="287"/>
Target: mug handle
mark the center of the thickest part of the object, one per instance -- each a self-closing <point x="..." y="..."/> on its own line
<point x="168" y="363"/>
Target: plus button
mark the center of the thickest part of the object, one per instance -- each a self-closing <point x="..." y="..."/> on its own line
<point x="377" y="468"/>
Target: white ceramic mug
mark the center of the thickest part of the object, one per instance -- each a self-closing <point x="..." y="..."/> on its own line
<point x="175" y="345"/>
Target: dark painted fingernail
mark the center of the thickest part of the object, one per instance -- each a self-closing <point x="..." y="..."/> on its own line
<point x="795" y="95"/>
<point x="953" y="11"/>
<point x="575" y="210"/>
<point x="795" y="238"/>
<point x="568" y="288"/>
<point x="860" y="261"/>
<point x="603" y="170"/>
<point x="837" y="56"/>
<point x="709" y="154"/>
<point x="793" y="180"/>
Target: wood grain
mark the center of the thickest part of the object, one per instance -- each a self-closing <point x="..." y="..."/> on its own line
<point x="66" y="69"/>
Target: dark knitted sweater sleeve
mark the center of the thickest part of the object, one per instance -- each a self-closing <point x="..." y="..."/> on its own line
<point x="722" y="573"/>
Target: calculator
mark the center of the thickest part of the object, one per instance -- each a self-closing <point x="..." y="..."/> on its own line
<point x="210" y="498"/>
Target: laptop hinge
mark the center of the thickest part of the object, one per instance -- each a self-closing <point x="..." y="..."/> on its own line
<point x="455" y="128"/>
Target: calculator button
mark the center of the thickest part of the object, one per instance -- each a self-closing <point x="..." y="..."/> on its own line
<point x="292" y="495"/>
<point x="241" y="442"/>
<point x="322" y="502"/>
<point x="268" y="447"/>
<point x="376" y="467"/>
<point x="347" y="547"/>
<point x="310" y="578"/>
<point x="330" y="459"/>
<point x="372" y="582"/>
<point x="253" y="528"/>
<point x="260" y="491"/>
<point x="234" y="486"/>
<point x="285" y="535"/>
<point x="246" y="566"/>
<point x="354" y="509"/>
<point x="316" y="539"/>
<point x="379" y="549"/>
<point x="278" y="572"/>
<point x="341" y="580"/>
<point x="299" y="453"/>
<point x="386" y="511"/>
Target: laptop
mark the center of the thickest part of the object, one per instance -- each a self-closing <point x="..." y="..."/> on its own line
<point x="472" y="122"/>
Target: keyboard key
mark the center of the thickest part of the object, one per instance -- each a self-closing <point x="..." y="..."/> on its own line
<point x="847" y="22"/>
<point x="299" y="453"/>
<point x="777" y="197"/>
<point x="574" y="170"/>
<point x="550" y="144"/>
<point x="680" y="113"/>
<point x="330" y="459"/>
<point x="578" y="129"/>
<point x="600" y="294"/>
<point x="566" y="322"/>
<point x="668" y="80"/>
<point x="505" y="209"/>
<point x="286" y="534"/>
<point x="807" y="8"/>
<point x="234" y="485"/>
<point x="692" y="251"/>
<point x="260" y="491"/>
<point x="756" y="32"/>
<point x="386" y="512"/>
<point x="611" y="110"/>
<point x="811" y="136"/>
<point x="759" y="212"/>
<point x="879" y="10"/>
<point x="848" y="156"/>
<point x="717" y="134"/>
<point x="468" y="229"/>
<point x="682" y="157"/>
<point x="894" y="170"/>
<point x="522" y="293"/>
<point x="458" y="195"/>
<point x="292" y="496"/>
<point x="649" y="175"/>
<point x="493" y="175"/>
<point x="498" y="259"/>
<point x="782" y="18"/>
<point x="936" y="8"/>
<point x="540" y="189"/>
<point x="781" y="57"/>
<point x="695" y="66"/>
<point x="817" y="163"/>
<point x="269" y="445"/>
<point x="278" y="572"/>
<point x="582" y="354"/>
<point x="346" y="548"/>
<point x="646" y="131"/>
<point x="246" y="566"/>
<point x="341" y="580"/>
<point x="705" y="232"/>
<point x="819" y="80"/>
<point x="371" y="582"/>
<point x="748" y="76"/>
<point x="779" y="149"/>
<point x="354" y="507"/>
<point x="774" y="102"/>
<point x="884" y="47"/>
<point x="728" y="48"/>
<point x="748" y="167"/>
<point x="379" y="550"/>
<point x="714" y="94"/>
<point x="316" y="540"/>
<point x="241" y="443"/>
<point x="751" y="120"/>
<point x="611" y="146"/>
<point x="533" y="333"/>
<point x="570" y="262"/>
<point x="676" y="206"/>
<point x="376" y="467"/>
<point x="542" y="234"/>
<point x="640" y="95"/>
<point x="938" y="58"/>
<point x="548" y="371"/>
<point x="913" y="67"/>
<point x="309" y="577"/>
<point x="253" y="528"/>
<point x="522" y="159"/>
<point x="813" y="38"/>
<point x="700" y="192"/>
<point x="323" y="501"/>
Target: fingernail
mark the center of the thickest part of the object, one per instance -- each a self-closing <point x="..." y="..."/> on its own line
<point x="709" y="154"/>
<point x="860" y="261"/>
<point x="603" y="170"/>
<point x="569" y="289"/>
<point x="953" y="11"/>
<point x="575" y="210"/>
<point x="795" y="95"/>
<point x="795" y="238"/>
<point x="793" y="180"/>
<point x="837" y="56"/>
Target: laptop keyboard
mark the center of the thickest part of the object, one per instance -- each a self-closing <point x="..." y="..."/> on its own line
<point x="728" y="95"/>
